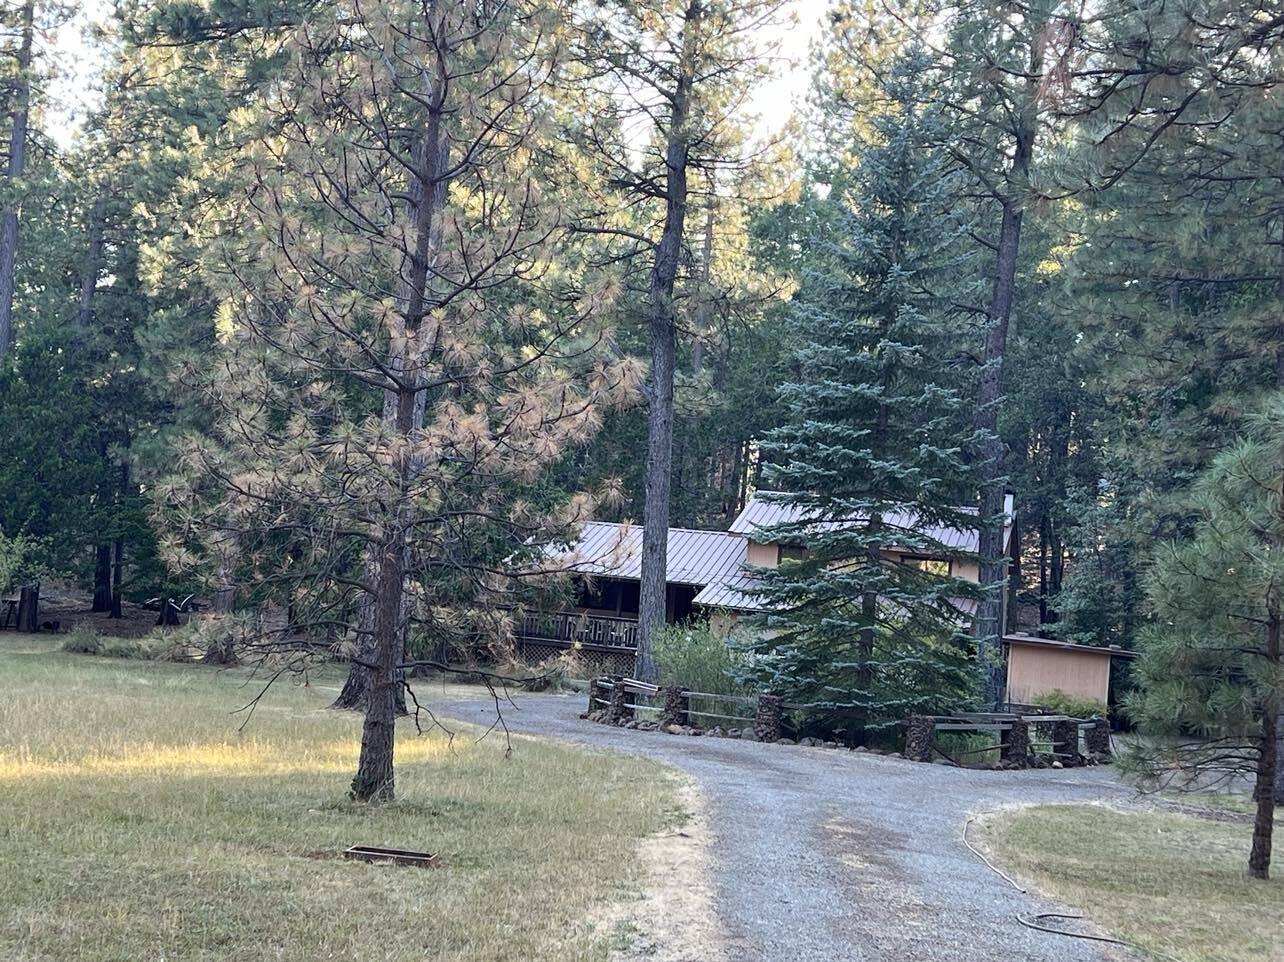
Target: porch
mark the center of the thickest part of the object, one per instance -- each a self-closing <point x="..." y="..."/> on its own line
<point x="605" y="643"/>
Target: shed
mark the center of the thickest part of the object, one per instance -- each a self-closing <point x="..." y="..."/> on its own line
<point x="1036" y="666"/>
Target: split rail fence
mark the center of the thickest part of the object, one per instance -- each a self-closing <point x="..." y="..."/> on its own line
<point x="620" y="699"/>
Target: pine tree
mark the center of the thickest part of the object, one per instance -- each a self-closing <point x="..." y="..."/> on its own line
<point x="873" y="455"/>
<point x="407" y="341"/>
<point x="1211" y="670"/>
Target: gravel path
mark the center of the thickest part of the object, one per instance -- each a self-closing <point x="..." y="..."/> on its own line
<point x="825" y="855"/>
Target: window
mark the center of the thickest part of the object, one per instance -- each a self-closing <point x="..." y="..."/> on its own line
<point x="792" y="552"/>
<point x="933" y="566"/>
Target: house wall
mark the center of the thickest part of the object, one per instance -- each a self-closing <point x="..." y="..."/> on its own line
<point x="1035" y="670"/>
<point x="764" y="555"/>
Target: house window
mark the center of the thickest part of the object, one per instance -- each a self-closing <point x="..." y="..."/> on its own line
<point x="792" y="552"/>
<point x="933" y="566"/>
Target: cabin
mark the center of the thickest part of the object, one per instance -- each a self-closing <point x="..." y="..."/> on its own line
<point x="1037" y="666"/>
<point x="710" y="576"/>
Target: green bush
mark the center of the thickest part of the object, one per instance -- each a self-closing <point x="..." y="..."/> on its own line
<point x="692" y="656"/>
<point x="83" y="640"/>
<point x="87" y="640"/>
<point x="22" y="561"/>
<point x="1058" y="702"/>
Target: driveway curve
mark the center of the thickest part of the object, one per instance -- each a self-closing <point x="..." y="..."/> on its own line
<point x="826" y="855"/>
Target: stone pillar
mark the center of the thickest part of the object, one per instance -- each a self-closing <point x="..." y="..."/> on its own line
<point x="1097" y="738"/>
<point x="676" y="708"/>
<point x="766" y="723"/>
<point x="920" y="736"/>
<point x="595" y="691"/>
<point x="1065" y="742"/>
<point x="618" y="710"/>
<point x="1016" y="744"/>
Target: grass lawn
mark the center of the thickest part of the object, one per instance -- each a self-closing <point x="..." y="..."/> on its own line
<point x="1173" y="883"/>
<point x="139" y="824"/>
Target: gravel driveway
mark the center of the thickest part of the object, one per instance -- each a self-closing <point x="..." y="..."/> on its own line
<point x="830" y="855"/>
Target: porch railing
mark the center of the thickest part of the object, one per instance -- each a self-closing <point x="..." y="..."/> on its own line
<point x="574" y="626"/>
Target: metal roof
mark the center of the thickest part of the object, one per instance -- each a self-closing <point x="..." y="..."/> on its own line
<point x="762" y="513"/>
<point x="1037" y="642"/>
<point x="694" y="557"/>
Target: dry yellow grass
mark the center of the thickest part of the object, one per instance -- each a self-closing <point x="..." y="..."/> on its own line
<point x="1173" y="884"/>
<point x="138" y="824"/>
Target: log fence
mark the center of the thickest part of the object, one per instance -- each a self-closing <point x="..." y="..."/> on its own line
<point x="1019" y="736"/>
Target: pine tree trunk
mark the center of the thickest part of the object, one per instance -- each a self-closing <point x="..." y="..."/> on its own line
<point x="16" y="166"/>
<point x="102" y="578"/>
<point x="374" y="781"/>
<point x="404" y="405"/>
<point x="1259" y="858"/>
<point x="992" y="468"/>
<point x="661" y="324"/>
<point x="117" y="576"/>
<point x="89" y="271"/>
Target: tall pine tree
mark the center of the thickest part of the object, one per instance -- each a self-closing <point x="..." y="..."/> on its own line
<point x="871" y="463"/>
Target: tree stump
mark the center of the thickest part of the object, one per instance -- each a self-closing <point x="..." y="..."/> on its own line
<point x="920" y="737"/>
<point x="29" y="608"/>
<point x="1016" y="744"/>
<point x="677" y="707"/>
<point x="767" y="721"/>
<point x="1097" y="738"/>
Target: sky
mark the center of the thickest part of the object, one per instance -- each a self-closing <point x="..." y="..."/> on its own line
<point x="78" y="64"/>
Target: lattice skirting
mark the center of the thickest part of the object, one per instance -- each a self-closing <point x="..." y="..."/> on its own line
<point x="595" y="662"/>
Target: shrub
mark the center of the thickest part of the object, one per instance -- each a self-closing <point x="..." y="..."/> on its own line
<point x="83" y="640"/>
<point x="88" y="640"/>
<point x="1060" y="703"/>
<point x="694" y="657"/>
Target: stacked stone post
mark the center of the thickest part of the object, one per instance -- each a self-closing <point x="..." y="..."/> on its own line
<point x="676" y="706"/>
<point x="618" y="710"/>
<point x="1016" y="743"/>
<point x="595" y="691"/>
<point x="1065" y="742"/>
<point x="1097" y="738"/>
<point x="920" y="737"/>
<point x="767" y="721"/>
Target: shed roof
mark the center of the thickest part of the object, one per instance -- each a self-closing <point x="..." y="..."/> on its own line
<point x="1036" y="642"/>
<point x="694" y="557"/>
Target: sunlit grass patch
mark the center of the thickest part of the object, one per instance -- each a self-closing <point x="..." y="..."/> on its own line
<point x="1173" y="884"/>
<point x="141" y="823"/>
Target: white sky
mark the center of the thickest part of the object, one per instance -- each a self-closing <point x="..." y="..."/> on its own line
<point x="78" y="64"/>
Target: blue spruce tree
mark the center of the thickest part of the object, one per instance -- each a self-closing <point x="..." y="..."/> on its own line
<point x="871" y="465"/>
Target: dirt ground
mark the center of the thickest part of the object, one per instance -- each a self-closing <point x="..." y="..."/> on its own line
<point x="69" y="607"/>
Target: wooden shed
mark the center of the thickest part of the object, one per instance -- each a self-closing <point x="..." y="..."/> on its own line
<point x="1036" y="666"/>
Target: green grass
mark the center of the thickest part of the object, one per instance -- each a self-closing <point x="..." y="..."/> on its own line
<point x="138" y="823"/>
<point x="1173" y="884"/>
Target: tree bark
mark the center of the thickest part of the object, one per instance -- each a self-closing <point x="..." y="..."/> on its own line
<point x="102" y="578"/>
<point x="90" y="269"/>
<point x="117" y="576"/>
<point x="1259" y="858"/>
<point x="14" y="170"/>
<point x="991" y="464"/>
<point x="661" y="324"/>
<point x="404" y="406"/>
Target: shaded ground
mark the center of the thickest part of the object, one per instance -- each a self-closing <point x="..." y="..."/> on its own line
<point x="830" y="855"/>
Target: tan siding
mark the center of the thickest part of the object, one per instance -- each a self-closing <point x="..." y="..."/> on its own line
<point x="1034" y="671"/>
<point x="764" y="555"/>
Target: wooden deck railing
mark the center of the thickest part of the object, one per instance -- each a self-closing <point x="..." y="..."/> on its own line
<point x="577" y="627"/>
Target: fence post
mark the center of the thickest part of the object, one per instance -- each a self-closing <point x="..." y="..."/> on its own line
<point x="595" y="691"/>
<point x="1097" y="738"/>
<point x="1016" y="744"/>
<point x="1065" y="742"/>
<point x="766" y="722"/>
<point x="920" y="737"/>
<point x="618" y="710"/>
<point x="677" y="706"/>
